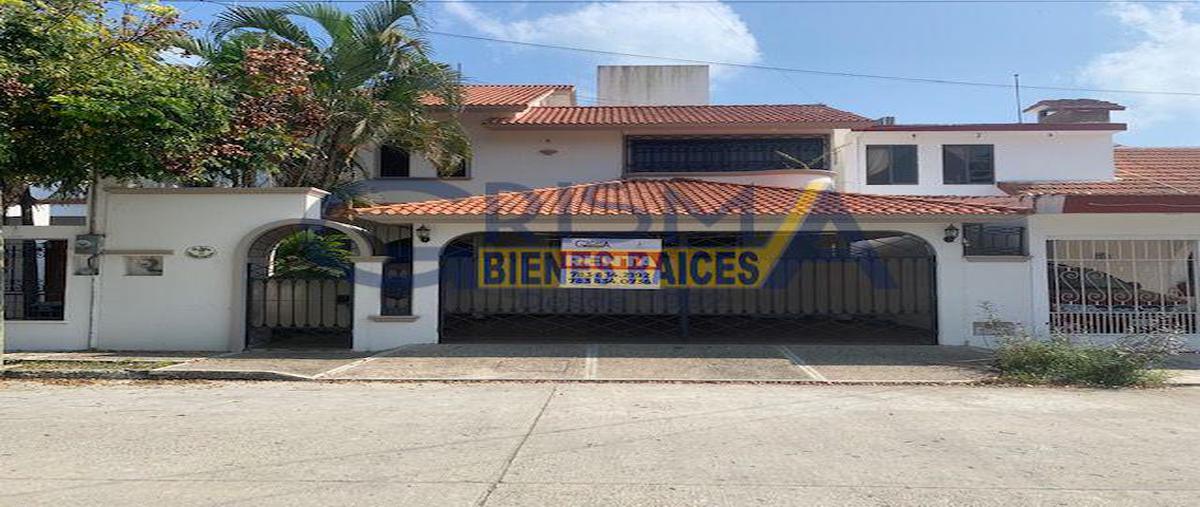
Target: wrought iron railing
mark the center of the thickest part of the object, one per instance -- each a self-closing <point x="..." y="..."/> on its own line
<point x="34" y="279"/>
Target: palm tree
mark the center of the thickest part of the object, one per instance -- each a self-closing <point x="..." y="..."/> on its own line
<point x="373" y="80"/>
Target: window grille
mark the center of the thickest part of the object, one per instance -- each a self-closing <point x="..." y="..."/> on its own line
<point x="993" y="239"/>
<point x="1122" y="286"/>
<point x="652" y="154"/>
<point x="35" y="279"/>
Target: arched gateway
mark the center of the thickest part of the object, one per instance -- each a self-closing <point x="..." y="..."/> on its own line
<point x="299" y="284"/>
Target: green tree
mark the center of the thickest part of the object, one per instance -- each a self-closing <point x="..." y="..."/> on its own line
<point x="85" y="95"/>
<point x="275" y="114"/>
<point x="372" y="85"/>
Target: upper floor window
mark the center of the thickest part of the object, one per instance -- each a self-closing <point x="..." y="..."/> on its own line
<point x="892" y="164"/>
<point x="654" y="154"/>
<point x="397" y="163"/>
<point x="968" y="164"/>
<point x="393" y="162"/>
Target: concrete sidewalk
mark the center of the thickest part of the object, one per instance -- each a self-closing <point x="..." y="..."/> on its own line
<point x="595" y="362"/>
<point x="579" y="362"/>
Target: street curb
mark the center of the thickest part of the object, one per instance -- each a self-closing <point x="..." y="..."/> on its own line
<point x="151" y="375"/>
<point x="257" y="375"/>
<point x="276" y="376"/>
<point x="77" y="374"/>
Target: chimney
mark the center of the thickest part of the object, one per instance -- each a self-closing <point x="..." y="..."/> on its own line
<point x="1074" y="111"/>
<point x="652" y="85"/>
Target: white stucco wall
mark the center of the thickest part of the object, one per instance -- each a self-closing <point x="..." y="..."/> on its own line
<point x="192" y="305"/>
<point x="71" y="332"/>
<point x="1019" y="156"/>
<point x="510" y="159"/>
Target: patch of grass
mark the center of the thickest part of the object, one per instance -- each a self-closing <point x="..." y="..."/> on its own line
<point x="1061" y="360"/>
<point x="36" y="365"/>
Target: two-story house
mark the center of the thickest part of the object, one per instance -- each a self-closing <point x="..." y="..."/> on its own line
<point x="910" y="231"/>
<point x="788" y="222"/>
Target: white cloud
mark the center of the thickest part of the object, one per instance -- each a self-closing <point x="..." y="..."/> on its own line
<point x="712" y="31"/>
<point x="1166" y="56"/>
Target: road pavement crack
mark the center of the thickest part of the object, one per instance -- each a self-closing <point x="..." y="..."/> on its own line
<point x="483" y="500"/>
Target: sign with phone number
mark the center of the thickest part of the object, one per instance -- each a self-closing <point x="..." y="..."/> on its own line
<point x="609" y="263"/>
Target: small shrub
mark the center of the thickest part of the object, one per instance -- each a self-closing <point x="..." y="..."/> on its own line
<point x="1061" y="359"/>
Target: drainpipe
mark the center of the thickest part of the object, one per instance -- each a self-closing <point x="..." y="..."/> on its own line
<point x="93" y="261"/>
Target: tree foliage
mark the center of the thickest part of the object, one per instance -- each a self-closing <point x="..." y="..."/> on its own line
<point x="312" y="254"/>
<point x="274" y="111"/>
<point x="371" y="83"/>
<point x="85" y="93"/>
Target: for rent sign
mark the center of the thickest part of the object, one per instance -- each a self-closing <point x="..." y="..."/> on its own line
<point x="609" y="263"/>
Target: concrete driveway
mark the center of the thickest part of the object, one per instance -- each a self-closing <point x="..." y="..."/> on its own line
<point x="597" y="362"/>
<point x="515" y="444"/>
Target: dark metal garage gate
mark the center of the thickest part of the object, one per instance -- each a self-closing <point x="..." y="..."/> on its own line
<point x="863" y="287"/>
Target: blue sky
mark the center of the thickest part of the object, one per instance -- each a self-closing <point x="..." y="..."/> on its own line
<point x="1110" y="46"/>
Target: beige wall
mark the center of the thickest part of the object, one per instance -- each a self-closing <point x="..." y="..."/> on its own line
<point x="194" y="304"/>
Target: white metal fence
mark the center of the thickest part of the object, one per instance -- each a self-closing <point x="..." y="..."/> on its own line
<point x="1122" y="286"/>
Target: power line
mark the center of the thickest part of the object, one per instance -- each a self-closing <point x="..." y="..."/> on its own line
<point x="907" y="79"/>
<point x="806" y="71"/>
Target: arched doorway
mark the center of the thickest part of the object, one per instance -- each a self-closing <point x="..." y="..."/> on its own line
<point x="864" y="287"/>
<point x="300" y="286"/>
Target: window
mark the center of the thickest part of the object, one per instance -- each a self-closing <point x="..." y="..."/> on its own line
<point x="993" y="239"/>
<point x="396" y="289"/>
<point x="393" y="162"/>
<point x="968" y="164"/>
<point x="644" y="154"/>
<point x="892" y="164"/>
<point x="35" y="279"/>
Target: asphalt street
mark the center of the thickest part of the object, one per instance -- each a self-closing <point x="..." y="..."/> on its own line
<point x="505" y="444"/>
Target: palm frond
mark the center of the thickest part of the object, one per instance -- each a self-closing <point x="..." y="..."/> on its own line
<point x="335" y="22"/>
<point x="272" y="21"/>
<point x="376" y="19"/>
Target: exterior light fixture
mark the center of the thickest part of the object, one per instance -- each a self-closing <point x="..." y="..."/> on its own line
<point x="423" y="233"/>
<point x="951" y="233"/>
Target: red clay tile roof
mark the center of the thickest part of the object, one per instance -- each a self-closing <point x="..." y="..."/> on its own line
<point x="683" y="115"/>
<point x="1076" y="104"/>
<point x="991" y="127"/>
<point x="506" y="95"/>
<point x="1140" y="171"/>
<point x="664" y="197"/>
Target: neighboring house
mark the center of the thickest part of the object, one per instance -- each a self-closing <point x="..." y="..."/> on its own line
<point x="877" y="232"/>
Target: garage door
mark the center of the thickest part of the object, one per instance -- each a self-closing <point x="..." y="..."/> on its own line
<point x="864" y="287"/>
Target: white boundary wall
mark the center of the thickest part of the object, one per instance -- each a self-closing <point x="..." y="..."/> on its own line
<point x="198" y="304"/>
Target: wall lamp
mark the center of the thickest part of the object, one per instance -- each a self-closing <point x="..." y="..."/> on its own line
<point x="423" y="233"/>
<point x="951" y="233"/>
